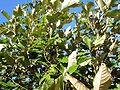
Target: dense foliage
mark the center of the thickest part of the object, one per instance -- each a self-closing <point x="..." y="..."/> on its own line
<point x="40" y="40"/>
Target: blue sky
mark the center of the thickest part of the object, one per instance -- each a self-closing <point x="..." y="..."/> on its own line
<point x="8" y="6"/>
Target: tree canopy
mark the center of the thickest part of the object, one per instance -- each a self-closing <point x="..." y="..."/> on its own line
<point x="46" y="46"/>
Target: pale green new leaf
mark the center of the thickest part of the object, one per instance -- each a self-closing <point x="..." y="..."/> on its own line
<point x="85" y="63"/>
<point x="63" y="60"/>
<point x="102" y="79"/>
<point x="101" y="4"/>
<point x="68" y="3"/>
<point x="72" y="69"/>
<point x="87" y="41"/>
<point x="99" y="40"/>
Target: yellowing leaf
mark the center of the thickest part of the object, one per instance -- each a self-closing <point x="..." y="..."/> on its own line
<point x="102" y="79"/>
<point x="76" y="83"/>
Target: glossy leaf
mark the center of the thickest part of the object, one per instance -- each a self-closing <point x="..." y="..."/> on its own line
<point x="5" y="14"/>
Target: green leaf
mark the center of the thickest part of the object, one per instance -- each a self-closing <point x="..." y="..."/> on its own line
<point x="81" y="53"/>
<point x="17" y="11"/>
<point x="2" y="83"/>
<point x="38" y="75"/>
<point x="5" y="14"/>
<point x="110" y="3"/>
<point x="101" y="4"/>
<point x="47" y="83"/>
<point x="10" y="84"/>
<point x="99" y="40"/>
<point x="83" y="59"/>
<point x="10" y="60"/>
<point x="64" y="59"/>
<point x="43" y="78"/>
<point x="36" y="89"/>
<point x="40" y="62"/>
<point x="72" y="69"/>
<point x="58" y="84"/>
<point x="89" y="5"/>
<point x="116" y="28"/>
<point x="61" y="68"/>
<point x="87" y="41"/>
<point x="114" y="14"/>
<point x="52" y="69"/>
<point x="61" y="80"/>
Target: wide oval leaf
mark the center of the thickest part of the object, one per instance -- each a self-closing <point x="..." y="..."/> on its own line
<point x="76" y="83"/>
<point x="102" y="79"/>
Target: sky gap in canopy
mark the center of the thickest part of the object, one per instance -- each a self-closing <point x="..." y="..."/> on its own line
<point x="9" y="5"/>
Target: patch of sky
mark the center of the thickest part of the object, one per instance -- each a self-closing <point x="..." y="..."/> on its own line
<point x="8" y="6"/>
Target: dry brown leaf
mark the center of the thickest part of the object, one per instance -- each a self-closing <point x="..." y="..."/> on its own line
<point x="77" y="84"/>
<point x="102" y="79"/>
